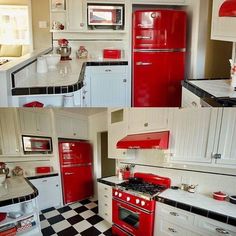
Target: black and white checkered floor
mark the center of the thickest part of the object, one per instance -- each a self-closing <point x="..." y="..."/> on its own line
<point x="79" y="218"/>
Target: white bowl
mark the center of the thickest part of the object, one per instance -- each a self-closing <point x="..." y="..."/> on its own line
<point x="2" y="178"/>
<point x="52" y="60"/>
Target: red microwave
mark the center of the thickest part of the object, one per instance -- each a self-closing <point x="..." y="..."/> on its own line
<point x="105" y="15"/>
<point x="32" y="144"/>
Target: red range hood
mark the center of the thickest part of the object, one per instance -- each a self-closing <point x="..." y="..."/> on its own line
<point x="156" y="140"/>
<point x="228" y="9"/>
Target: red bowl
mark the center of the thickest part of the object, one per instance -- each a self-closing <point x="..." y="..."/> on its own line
<point x="3" y="216"/>
<point x="220" y="196"/>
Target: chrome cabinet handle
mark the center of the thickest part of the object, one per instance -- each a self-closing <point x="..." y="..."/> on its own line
<point x="174" y="213"/>
<point x="143" y="63"/>
<point x="143" y="37"/>
<point x="108" y="70"/>
<point x="172" y="230"/>
<point x="222" y="231"/>
<point x="45" y="181"/>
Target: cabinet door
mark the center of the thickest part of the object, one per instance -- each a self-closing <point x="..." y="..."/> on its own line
<point x="193" y="133"/>
<point x="227" y="138"/>
<point x="117" y="129"/>
<point x="223" y="28"/>
<point x="80" y="128"/>
<point x="27" y="122"/>
<point x="9" y="139"/>
<point x="43" y="124"/>
<point x="49" y="192"/>
<point x="108" y="90"/>
<point x="145" y="120"/>
<point x="75" y="15"/>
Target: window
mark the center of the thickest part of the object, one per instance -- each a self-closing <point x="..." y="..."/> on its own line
<point x="14" y="21"/>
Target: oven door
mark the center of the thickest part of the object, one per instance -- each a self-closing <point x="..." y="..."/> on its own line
<point x="133" y="220"/>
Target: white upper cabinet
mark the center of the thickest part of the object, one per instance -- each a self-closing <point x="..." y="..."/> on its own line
<point x="35" y="122"/>
<point x="193" y="133"/>
<point x="227" y="138"/>
<point x="117" y="129"/>
<point x="9" y="133"/>
<point x="71" y="126"/>
<point x="223" y="28"/>
<point x="147" y="120"/>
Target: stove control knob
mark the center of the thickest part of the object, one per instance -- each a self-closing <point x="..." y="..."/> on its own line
<point x="128" y="199"/>
<point x="137" y="201"/>
<point x="116" y="193"/>
<point x="120" y="195"/>
<point x="143" y="203"/>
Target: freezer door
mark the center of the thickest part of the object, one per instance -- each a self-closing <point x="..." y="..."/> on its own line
<point x="157" y="79"/>
<point x="77" y="183"/>
<point x="76" y="152"/>
<point x="162" y="29"/>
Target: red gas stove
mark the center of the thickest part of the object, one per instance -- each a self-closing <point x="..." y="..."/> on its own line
<point x="134" y="205"/>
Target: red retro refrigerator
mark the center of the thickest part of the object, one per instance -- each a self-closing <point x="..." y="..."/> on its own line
<point x="159" y="45"/>
<point x="76" y="170"/>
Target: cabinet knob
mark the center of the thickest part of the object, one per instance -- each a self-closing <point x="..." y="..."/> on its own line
<point x="74" y="134"/>
<point x="145" y="124"/>
<point x="44" y="181"/>
<point x="194" y="104"/>
<point x="57" y="185"/>
<point x="124" y="153"/>
<point x="81" y="24"/>
<point x="124" y="80"/>
<point x="17" y="150"/>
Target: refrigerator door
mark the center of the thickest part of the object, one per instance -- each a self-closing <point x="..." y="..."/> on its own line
<point x="162" y="29"/>
<point x="158" y="78"/>
<point x="76" y="152"/>
<point x="77" y="183"/>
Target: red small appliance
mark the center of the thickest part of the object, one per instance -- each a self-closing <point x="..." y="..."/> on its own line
<point x="133" y="204"/>
<point x="159" y="45"/>
<point x="76" y="170"/>
<point x="111" y="53"/>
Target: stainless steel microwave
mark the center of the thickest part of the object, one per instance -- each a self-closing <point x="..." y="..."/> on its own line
<point x="105" y="15"/>
<point x="33" y="144"/>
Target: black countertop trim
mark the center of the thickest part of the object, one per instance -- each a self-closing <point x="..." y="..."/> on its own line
<point x="198" y="211"/>
<point x="59" y="89"/>
<point x="100" y="180"/>
<point x="21" y="198"/>
<point x="42" y="176"/>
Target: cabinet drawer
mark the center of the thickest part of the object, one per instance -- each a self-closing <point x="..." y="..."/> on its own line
<point x="175" y="215"/>
<point x="104" y="189"/>
<point x="213" y="227"/>
<point x="167" y="228"/>
<point x="189" y="99"/>
<point x="109" y="69"/>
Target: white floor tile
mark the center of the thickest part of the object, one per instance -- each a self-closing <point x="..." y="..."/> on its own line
<point x="75" y="205"/>
<point x="87" y="214"/>
<point x="81" y="226"/>
<point x="103" y="226"/>
<point x="61" y="225"/>
<point x="44" y="224"/>
<point x="91" y="205"/>
<point x="69" y="214"/>
<point x="51" y="214"/>
<point x="93" y="199"/>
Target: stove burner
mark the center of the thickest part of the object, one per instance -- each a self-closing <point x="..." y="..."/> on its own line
<point x="142" y="187"/>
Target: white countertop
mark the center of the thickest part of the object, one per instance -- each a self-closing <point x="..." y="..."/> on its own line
<point x="15" y="187"/>
<point x="217" y="88"/>
<point x="113" y="179"/>
<point x="200" y="201"/>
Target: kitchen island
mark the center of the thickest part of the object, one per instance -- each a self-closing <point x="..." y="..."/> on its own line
<point x="18" y="199"/>
<point x="208" y="92"/>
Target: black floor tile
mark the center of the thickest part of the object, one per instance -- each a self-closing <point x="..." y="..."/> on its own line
<point x="81" y="209"/>
<point x="75" y="219"/>
<point x="48" y="231"/>
<point x="42" y="217"/>
<point x="96" y="202"/>
<point x="84" y="202"/>
<point x="56" y="219"/>
<point x="94" y="219"/>
<point x="64" y="209"/>
<point x="48" y="209"/>
<point x="108" y="232"/>
<point x="68" y="232"/>
<point x="95" y="210"/>
<point x="92" y="231"/>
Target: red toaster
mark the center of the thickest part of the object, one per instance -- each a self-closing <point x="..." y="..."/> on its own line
<point x="111" y="53"/>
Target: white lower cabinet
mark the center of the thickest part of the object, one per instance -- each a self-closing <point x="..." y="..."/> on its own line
<point x="189" y="99"/>
<point x="173" y="221"/>
<point x="105" y="202"/>
<point x="49" y="192"/>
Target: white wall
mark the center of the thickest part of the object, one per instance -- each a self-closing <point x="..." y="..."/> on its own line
<point x="97" y="124"/>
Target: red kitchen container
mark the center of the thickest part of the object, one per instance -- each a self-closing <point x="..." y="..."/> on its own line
<point x="3" y="216"/>
<point x="220" y="196"/>
<point x="126" y="174"/>
<point x="43" y="169"/>
<point x="111" y="53"/>
<point x="33" y="104"/>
